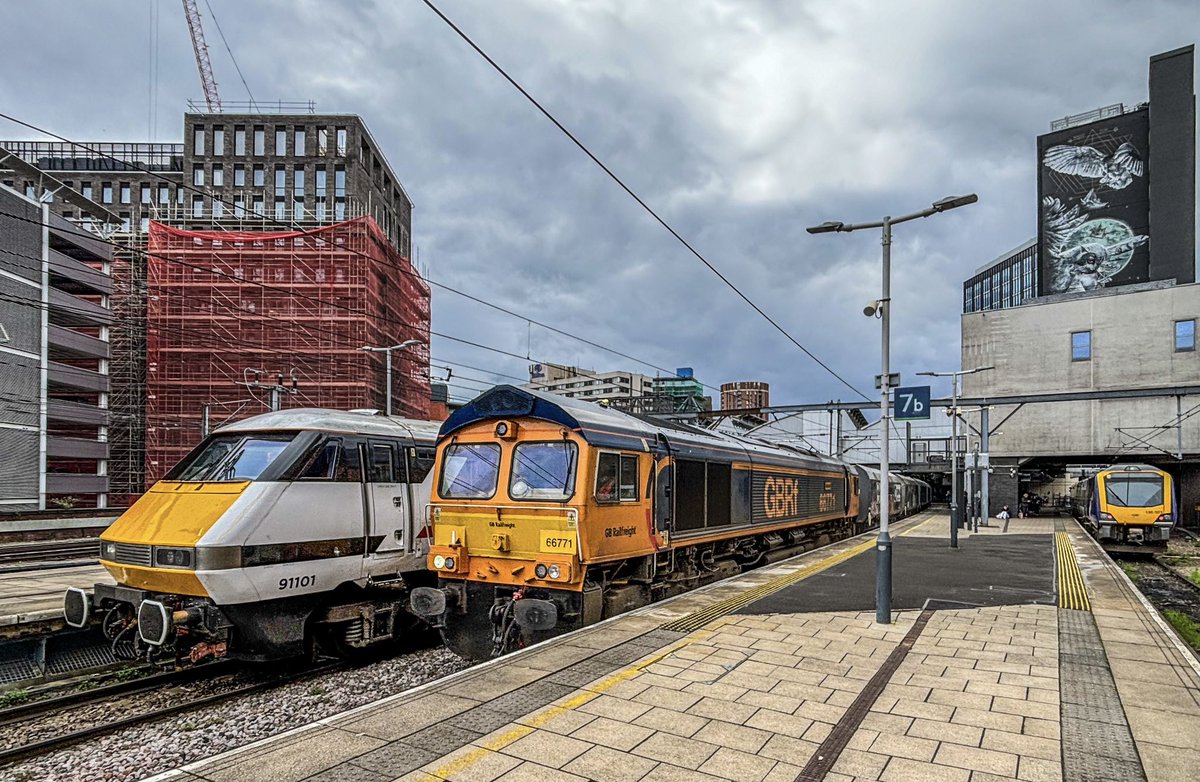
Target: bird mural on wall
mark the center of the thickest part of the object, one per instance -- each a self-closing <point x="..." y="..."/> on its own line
<point x="1115" y="172"/>
<point x="1085" y="253"/>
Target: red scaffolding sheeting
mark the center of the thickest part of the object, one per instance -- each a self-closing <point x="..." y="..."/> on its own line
<point x="223" y="305"/>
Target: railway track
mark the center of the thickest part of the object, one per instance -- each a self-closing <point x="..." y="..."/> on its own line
<point x="81" y="707"/>
<point x="50" y="551"/>
<point x="1166" y="588"/>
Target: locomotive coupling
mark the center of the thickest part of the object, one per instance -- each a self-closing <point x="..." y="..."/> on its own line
<point x="534" y="614"/>
<point x="431" y="603"/>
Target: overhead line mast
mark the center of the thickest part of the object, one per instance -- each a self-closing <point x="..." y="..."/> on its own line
<point x="203" y="64"/>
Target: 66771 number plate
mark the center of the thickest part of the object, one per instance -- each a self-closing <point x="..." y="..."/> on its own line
<point x="556" y="542"/>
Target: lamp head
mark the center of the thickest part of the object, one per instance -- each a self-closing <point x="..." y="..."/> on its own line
<point x="826" y="227"/>
<point x="872" y="309"/>
<point x="953" y="202"/>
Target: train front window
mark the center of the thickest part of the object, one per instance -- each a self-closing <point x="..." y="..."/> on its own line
<point x="231" y="457"/>
<point x="1129" y="491"/>
<point x="543" y="471"/>
<point x="470" y="471"/>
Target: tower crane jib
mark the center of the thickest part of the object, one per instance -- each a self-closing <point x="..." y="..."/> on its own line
<point x="203" y="64"/>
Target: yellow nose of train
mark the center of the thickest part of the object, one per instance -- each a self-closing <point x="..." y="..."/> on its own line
<point x="152" y="545"/>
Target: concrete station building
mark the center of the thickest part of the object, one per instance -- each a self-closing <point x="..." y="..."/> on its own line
<point x="1116" y="305"/>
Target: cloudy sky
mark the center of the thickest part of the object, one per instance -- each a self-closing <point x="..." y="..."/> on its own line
<point x="739" y="122"/>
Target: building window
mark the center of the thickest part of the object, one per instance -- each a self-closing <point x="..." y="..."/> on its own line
<point x="218" y="139"/>
<point x="86" y="189"/>
<point x="280" y="181"/>
<point x="280" y="140"/>
<point x="218" y="175"/>
<point x="239" y="140"/>
<point x="198" y="176"/>
<point x="218" y="208"/>
<point x="341" y="142"/>
<point x="320" y="210"/>
<point x="260" y="176"/>
<point x="126" y="223"/>
<point x="164" y="194"/>
<point x="280" y="210"/>
<point x="322" y="141"/>
<point x="179" y="194"/>
<point x="239" y="208"/>
<point x="198" y="140"/>
<point x="298" y="209"/>
<point x="126" y="193"/>
<point x="145" y="194"/>
<point x="339" y="181"/>
<point x="197" y="206"/>
<point x="322" y="177"/>
<point x="298" y="182"/>
<point x="339" y="210"/>
<point x="144" y="225"/>
<point x="239" y="175"/>
<point x="258" y="207"/>
<point x="298" y="142"/>
<point x="1185" y="335"/>
<point x="1081" y="346"/>
<point x="260" y="143"/>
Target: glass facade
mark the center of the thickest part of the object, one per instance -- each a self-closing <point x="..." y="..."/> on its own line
<point x="1010" y="282"/>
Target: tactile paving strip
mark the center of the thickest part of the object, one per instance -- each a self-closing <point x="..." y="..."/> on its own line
<point x="1071" y="590"/>
<point x="1096" y="741"/>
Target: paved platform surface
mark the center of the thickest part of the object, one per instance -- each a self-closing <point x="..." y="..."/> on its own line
<point x="710" y="686"/>
<point x="37" y="595"/>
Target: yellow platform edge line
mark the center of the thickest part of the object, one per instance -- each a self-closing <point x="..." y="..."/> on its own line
<point x="1072" y="590"/>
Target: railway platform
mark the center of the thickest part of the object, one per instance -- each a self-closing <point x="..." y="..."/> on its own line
<point x="34" y="596"/>
<point x="1024" y="654"/>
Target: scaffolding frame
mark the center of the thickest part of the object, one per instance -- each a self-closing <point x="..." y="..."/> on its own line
<point x="222" y="303"/>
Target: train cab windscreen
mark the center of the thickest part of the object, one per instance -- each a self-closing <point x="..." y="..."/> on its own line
<point x="543" y="471"/>
<point x="470" y="471"/>
<point x="232" y="457"/>
<point x="1134" y="491"/>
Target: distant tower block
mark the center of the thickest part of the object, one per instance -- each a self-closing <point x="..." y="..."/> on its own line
<point x="742" y="394"/>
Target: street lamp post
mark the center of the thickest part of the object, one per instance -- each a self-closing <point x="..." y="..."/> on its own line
<point x="883" y="543"/>
<point x="954" y="377"/>
<point x="387" y="351"/>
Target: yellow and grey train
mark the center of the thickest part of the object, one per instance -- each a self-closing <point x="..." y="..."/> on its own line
<point x="550" y="513"/>
<point x="277" y="531"/>
<point x="1127" y="507"/>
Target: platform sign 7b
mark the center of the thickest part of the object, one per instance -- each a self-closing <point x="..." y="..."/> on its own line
<point x="911" y="404"/>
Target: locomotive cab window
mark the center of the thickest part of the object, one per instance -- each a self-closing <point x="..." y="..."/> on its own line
<point x="1134" y="491"/>
<point x="470" y="471"/>
<point x="543" y="471"/>
<point x="320" y="463"/>
<point x="616" y="478"/>
<point x="382" y="467"/>
<point x="231" y="457"/>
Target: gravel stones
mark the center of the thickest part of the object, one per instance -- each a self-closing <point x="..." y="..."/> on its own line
<point x="152" y="748"/>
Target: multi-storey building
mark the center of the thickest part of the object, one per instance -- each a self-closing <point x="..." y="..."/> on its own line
<point x="234" y="172"/>
<point x="587" y="384"/>
<point x="1009" y="281"/>
<point x="54" y="356"/>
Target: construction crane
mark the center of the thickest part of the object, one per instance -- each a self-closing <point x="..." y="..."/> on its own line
<point x="203" y="64"/>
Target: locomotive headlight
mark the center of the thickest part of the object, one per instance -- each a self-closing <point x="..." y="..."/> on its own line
<point x="439" y="562"/>
<point x="501" y="429"/>
<point x="540" y="571"/>
<point x="108" y="550"/>
<point x="449" y="563"/>
<point x="173" y="557"/>
<point x="554" y="571"/>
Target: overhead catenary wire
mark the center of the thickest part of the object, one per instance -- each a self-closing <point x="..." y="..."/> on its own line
<point x="630" y="192"/>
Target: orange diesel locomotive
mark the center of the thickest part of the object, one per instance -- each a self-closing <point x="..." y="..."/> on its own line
<point x="550" y="513"/>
